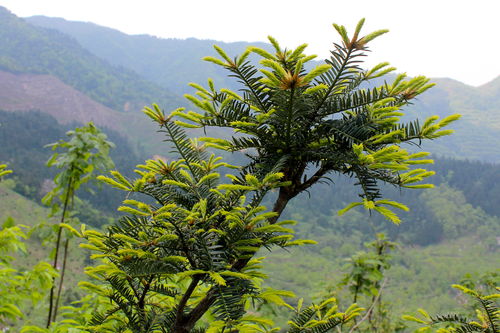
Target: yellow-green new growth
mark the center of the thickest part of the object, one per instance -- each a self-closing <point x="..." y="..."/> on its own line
<point x="4" y="171"/>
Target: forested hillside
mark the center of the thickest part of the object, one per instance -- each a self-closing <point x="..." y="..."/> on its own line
<point x="25" y="137"/>
<point x="464" y="202"/>
<point x="35" y="50"/>
<point x="171" y="63"/>
<point x="48" y="94"/>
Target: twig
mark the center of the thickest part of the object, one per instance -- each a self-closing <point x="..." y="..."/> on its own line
<point x="61" y="280"/>
<point x="371" y="307"/>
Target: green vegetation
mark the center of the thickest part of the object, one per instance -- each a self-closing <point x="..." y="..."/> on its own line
<point x="18" y="287"/>
<point x="323" y="120"/>
<point x="487" y="321"/>
<point x="24" y="137"/>
<point x="418" y="276"/>
<point x="168" y="265"/>
<point x="186" y="254"/>
<point x="84" y="154"/>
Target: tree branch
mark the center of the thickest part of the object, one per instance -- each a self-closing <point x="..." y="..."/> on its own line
<point x="147" y="285"/>
<point x="314" y="178"/>
<point x="187" y="295"/>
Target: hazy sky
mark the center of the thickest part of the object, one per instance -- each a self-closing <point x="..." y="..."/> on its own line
<point x="438" y="38"/>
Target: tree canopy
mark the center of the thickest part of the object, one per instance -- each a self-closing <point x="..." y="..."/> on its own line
<point x="188" y="255"/>
<point x="309" y="124"/>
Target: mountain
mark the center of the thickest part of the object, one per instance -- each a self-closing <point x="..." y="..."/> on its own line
<point x="477" y="132"/>
<point x="36" y="50"/>
<point x="173" y="63"/>
<point x="48" y="94"/>
<point x="48" y="71"/>
<point x="480" y="106"/>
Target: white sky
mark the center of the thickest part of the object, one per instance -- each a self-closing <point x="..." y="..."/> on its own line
<point x="438" y="38"/>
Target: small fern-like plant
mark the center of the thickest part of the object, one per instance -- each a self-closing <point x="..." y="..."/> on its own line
<point x="85" y="152"/>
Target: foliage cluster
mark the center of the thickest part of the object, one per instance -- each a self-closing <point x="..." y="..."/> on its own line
<point x="85" y="153"/>
<point x="323" y="120"/>
<point x="18" y="288"/>
<point x="487" y="312"/>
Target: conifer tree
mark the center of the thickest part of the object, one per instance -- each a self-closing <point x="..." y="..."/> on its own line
<point x="312" y="124"/>
<point x="189" y="255"/>
<point x="170" y="265"/>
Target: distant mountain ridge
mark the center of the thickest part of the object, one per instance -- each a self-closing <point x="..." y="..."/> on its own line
<point x="26" y="48"/>
<point x="48" y="71"/>
<point x="480" y="105"/>
<point x="82" y="56"/>
<point x="173" y="63"/>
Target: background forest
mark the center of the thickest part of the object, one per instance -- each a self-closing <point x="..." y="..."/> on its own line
<point x="56" y="75"/>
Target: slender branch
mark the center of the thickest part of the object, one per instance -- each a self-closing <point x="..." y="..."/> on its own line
<point x="201" y="308"/>
<point x="58" y="244"/>
<point x="370" y="309"/>
<point x="147" y="285"/>
<point x="136" y="293"/>
<point x="63" y="216"/>
<point x="339" y="74"/>
<point x="61" y="280"/>
<point x="314" y="178"/>
<point x="187" y="295"/>
<point x="51" y="302"/>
